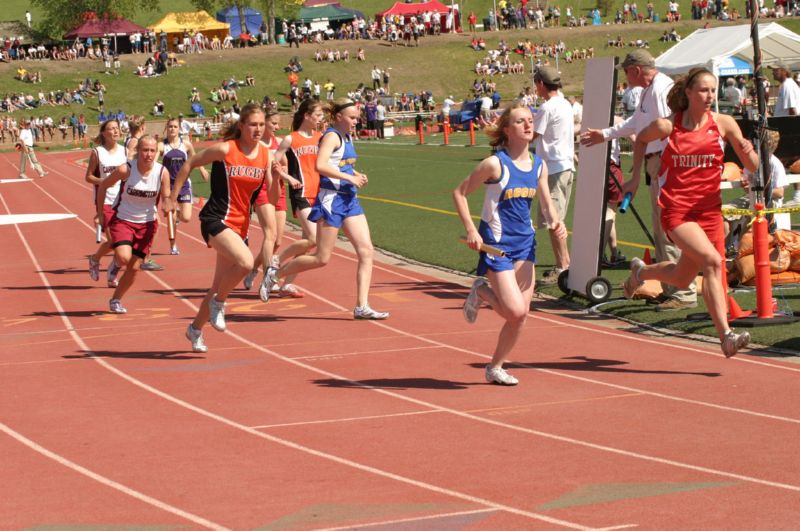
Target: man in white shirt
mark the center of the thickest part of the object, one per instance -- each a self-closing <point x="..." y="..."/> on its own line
<point x="577" y="113"/>
<point x="639" y="67"/>
<point x="25" y="143"/>
<point x="630" y="99"/>
<point x="380" y="117"/>
<point x="447" y="104"/>
<point x="787" y="104"/>
<point x="376" y="77"/>
<point x="553" y="138"/>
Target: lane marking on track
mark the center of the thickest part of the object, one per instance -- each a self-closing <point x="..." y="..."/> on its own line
<point x="71" y="464"/>
<point x="347" y="419"/>
<point x="323" y="357"/>
<point x="409" y="520"/>
<point x="14" y="219"/>
<point x="234" y="424"/>
<point x="551" y="436"/>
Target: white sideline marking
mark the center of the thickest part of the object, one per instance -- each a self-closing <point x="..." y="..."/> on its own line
<point x="13" y="219"/>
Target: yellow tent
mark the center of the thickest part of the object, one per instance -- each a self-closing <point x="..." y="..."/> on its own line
<point x="175" y="24"/>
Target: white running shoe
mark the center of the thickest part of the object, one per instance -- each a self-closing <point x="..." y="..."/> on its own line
<point x="174" y="250"/>
<point x="270" y="281"/>
<point x="276" y="261"/>
<point x="111" y="274"/>
<point x="115" y="306"/>
<point x="633" y="283"/>
<point x="733" y="342"/>
<point x="94" y="269"/>
<point x="473" y="302"/>
<point x="196" y="337"/>
<point x="499" y="376"/>
<point x="367" y="313"/>
<point x="249" y="278"/>
<point x="216" y="313"/>
<point x="290" y="291"/>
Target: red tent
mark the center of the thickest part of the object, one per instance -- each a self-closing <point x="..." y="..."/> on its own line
<point x="408" y="10"/>
<point x="98" y="27"/>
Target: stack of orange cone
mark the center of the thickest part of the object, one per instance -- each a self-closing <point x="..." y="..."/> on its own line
<point x="647" y="258"/>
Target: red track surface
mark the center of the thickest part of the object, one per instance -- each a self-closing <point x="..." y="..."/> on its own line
<point x="300" y="417"/>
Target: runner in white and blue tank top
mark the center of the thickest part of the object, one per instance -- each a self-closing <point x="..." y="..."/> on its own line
<point x="337" y="199"/>
<point x="511" y="177"/>
<point x="506" y="216"/>
<point x="337" y="207"/>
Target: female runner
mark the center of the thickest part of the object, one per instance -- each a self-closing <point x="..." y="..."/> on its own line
<point x="300" y="148"/>
<point x="337" y="207"/>
<point x="103" y="160"/>
<point x="271" y="216"/>
<point x="241" y="163"/>
<point x="512" y="177"/>
<point x="691" y="171"/>
<point x="133" y="225"/>
<point x="174" y="152"/>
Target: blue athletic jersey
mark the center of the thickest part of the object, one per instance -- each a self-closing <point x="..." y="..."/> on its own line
<point x="174" y="158"/>
<point x="506" y="216"/>
<point x="343" y="159"/>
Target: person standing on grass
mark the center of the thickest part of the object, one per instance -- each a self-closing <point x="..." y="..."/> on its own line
<point x="337" y="207"/>
<point x="691" y="172"/>
<point x="512" y="177"/>
<point x="240" y="165"/>
<point x="174" y="151"/>
<point x="640" y="69"/>
<point x="103" y="161"/>
<point x="554" y="139"/>
<point x="133" y="226"/>
<point x="27" y="154"/>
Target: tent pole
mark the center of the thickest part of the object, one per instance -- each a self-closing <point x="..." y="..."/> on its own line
<point x="759" y="118"/>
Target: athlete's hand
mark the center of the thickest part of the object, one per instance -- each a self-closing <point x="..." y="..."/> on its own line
<point x="97" y="219"/>
<point x="631" y="186"/>
<point x="474" y="240"/>
<point x="167" y="206"/>
<point x="294" y="183"/>
<point x="359" y="179"/>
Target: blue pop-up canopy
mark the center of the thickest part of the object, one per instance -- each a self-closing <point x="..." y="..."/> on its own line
<point x="252" y="19"/>
<point x="734" y="66"/>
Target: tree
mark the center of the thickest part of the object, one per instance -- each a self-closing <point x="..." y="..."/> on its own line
<point x="605" y="6"/>
<point x="64" y="15"/>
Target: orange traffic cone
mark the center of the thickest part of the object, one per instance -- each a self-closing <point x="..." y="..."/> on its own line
<point x="734" y="311"/>
<point x="647" y="258"/>
<point x="200" y="202"/>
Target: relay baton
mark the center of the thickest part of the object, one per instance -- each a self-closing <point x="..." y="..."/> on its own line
<point x="98" y="233"/>
<point x="171" y="224"/>
<point x="626" y="202"/>
<point x="488" y="249"/>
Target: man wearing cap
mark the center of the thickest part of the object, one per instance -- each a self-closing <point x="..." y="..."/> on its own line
<point x="787" y="104"/>
<point x="640" y="69"/>
<point x="553" y="139"/>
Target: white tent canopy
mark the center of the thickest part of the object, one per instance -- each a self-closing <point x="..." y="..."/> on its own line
<point x="710" y="47"/>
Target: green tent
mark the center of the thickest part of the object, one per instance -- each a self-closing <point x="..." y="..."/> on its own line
<point x="331" y="12"/>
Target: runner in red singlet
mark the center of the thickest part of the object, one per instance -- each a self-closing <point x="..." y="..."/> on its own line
<point x="241" y="164"/>
<point x="690" y="175"/>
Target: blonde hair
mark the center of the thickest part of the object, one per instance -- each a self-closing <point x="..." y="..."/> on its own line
<point x="495" y="132"/>
<point x="336" y="106"/>
<point x="135" y="124"/>
<point x="676" y="99"/>
<point x="773" y="139"/>
<point x="231" y="129"/>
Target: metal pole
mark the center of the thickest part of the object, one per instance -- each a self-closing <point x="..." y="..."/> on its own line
<point x="760" y="119"/>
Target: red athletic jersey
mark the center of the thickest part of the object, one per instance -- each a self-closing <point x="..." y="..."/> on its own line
<point x="234" y="184"/>
<point x="303" y="162"/>
<point x="691" y="168"/>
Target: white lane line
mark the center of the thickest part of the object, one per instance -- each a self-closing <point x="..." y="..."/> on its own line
<point x="14" y="219"/>
<point x="349" y="419"/>
<point x="360" y="352"/>
<point x="284" y="442"/>
<point x="409" y="520"/>
<point x="570" y="440"/>
<point x="70" y="464"/>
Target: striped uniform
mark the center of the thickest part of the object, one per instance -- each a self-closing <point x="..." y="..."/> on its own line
<point x="135" y="219"/>
<point x="107" y="162"/>
<point x="689" y="179"/>
<point x="506" y="216"/>
<point x="337" y="199"/>
<point x="302" y="159"/>
<point x="262" y="198"/>
<point x="173" y="159"/>
<point x="234" y="184"/>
